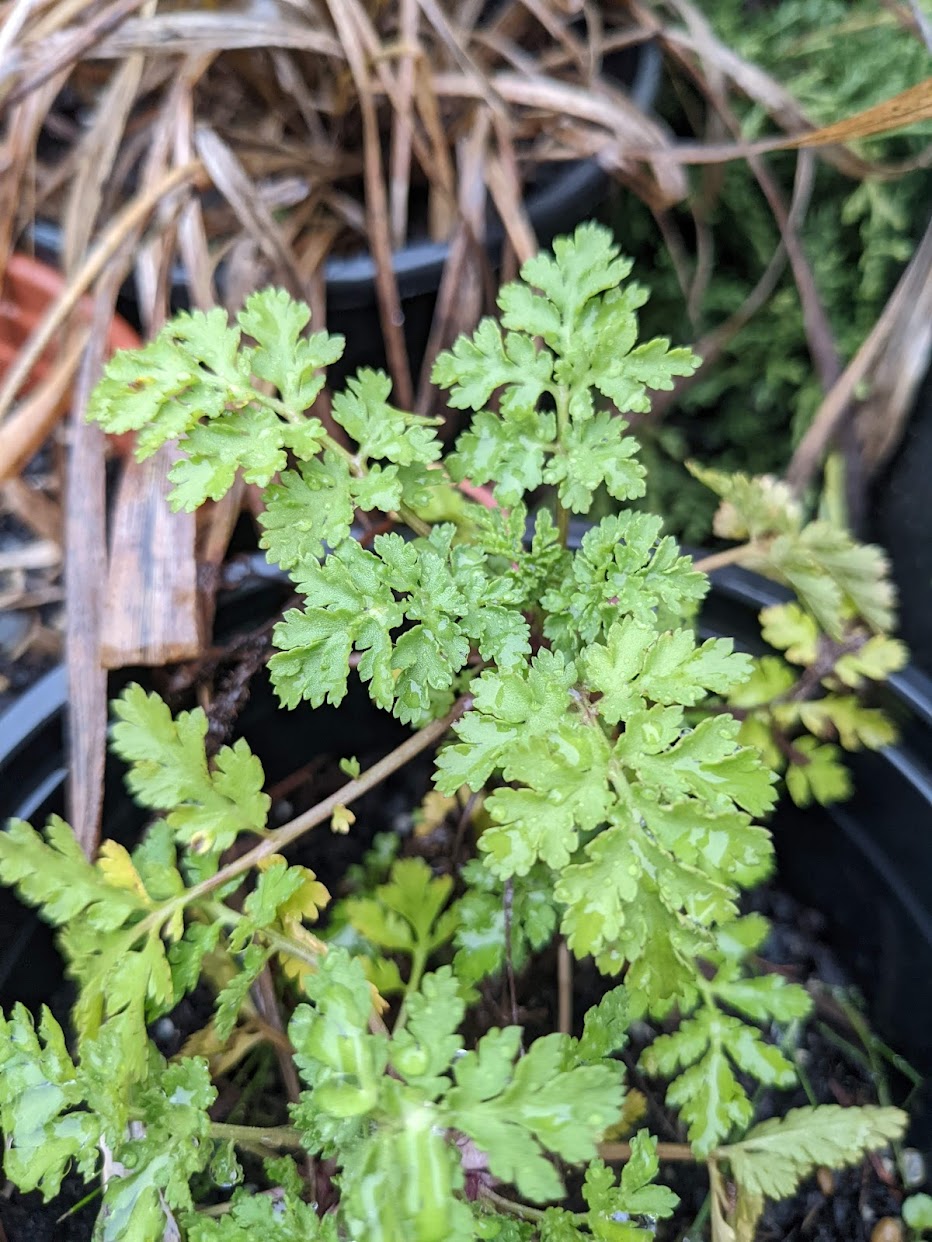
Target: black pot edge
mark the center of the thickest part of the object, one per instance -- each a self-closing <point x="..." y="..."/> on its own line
<point x="22" y="720"/>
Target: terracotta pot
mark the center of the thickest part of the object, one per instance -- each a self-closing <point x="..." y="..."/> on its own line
<point x="29" y="288"/>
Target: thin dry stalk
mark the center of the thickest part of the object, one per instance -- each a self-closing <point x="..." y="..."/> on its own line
<point x="17" y="157"/>
<point x="399" y="162"/>
<point x="85" y="566"/>
<point x="31" y="506"/>
<point x="460" y="297"/>
<point x="564" y="989"/>
<point x="913" y="288"/>
<point x="96" y="153"/>
<point x="17" y="17"/>
<point x="819" y="336"/>
<point x="710" y="347"/>
<point x="121" y="227"/>
<point x="196" y="32"/>
<point x="620" y="132"/>
<point x="390" y="314"/>
<point x="229" y="176"/>
<point x="24" y="432"/>
<point x="53" y="55"/>
<point x="192" y="232"/>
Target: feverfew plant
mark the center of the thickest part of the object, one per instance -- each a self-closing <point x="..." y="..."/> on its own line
<point x="617" y="761"/>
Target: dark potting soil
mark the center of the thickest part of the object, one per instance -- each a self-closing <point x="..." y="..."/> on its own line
<point x="841" y="1207"/>
<point x="25" y="1218"/>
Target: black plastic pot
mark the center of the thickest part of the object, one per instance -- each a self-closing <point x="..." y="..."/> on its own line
<point x="866" y="864"/>
<point x="900" y="522"/>
<point x="565" y="194"/>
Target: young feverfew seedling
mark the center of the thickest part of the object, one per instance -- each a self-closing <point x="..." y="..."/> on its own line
<point x="563" y="688"/>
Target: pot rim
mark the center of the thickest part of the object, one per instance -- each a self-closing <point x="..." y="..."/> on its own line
<point x="49" y="695"/>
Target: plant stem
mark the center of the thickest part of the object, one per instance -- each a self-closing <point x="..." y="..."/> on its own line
<point x="275" y="1137"/>
<point x="730" y="556"/>
<point x="282" y="837"/>
<point x="521" y="1210"/>
<point x="408" y="516"/>
<point x="672" y="1152"/>
<point x="562" y="399"/>
<point x="229" y="917"/>
<point x="418" y="962"/>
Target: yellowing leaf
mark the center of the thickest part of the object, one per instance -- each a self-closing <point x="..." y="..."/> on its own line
<point x="299" y="967"/>
<point x="342" y="820"/>
<point x="819" y="775"/>
<point x="433" y="810"/>
<point x="876" y="660"/>
<point x="115" y="864"/>
<point x="633" y="1112"/>
<point x="792" y="630"/>
<point x="307" y="901"/>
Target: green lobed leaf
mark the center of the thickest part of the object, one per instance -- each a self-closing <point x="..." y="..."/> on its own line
<point x="592" y="454"/>
<point x="282" y="354"/>
<point x="480" y="936"/>
<point x="774" y="1157"/>
<point x="611" y="1205"/>
<point x="407" y="912"/>
<point x="39" y="1086"/>
<point x="208" y="805"/>
<point x="637" y="664"/>
<point x="516" y="1113"/>
<point x="478" y="365"/>
<point x="427" y="1045"/>
<point x="701" y="1058"/>
<point x="275" y="1217"/>
<point x="509" y="450"/>
<point x="379" y="429"/>
<point x="623" y="568"/>
<point x="51" y="872"/>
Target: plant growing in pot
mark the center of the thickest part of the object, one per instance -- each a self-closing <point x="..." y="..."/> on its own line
<point x="597" y="769"/>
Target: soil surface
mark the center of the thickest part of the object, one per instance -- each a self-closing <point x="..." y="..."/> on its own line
<point x="836" y="1065"/>
<point x="838" y="1207"/>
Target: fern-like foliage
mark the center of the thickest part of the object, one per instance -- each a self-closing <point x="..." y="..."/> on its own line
<point x="614" y="767"/>
<point x="775" y="1156"/>
<point x="836" y="632"/>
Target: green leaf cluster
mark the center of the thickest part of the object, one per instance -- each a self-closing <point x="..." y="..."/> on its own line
<point x="801" y="722"/>
<point x="615" y="766"/>
<point x="547" y="429"/>
<point x="622" y="1210"/>
<point x="611" y="790"/>
<point x="717" y="1047"/>
<point x="149" y="1139"/>
<point x="776" y="1155"/>
<point x="510" y="1108"/>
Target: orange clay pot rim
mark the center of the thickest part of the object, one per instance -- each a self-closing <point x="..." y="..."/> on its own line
<point x="48" y="282"/>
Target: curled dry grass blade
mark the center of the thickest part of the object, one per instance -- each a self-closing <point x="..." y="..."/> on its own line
<point x="907" y="312"/>
<point x="697" y="45"/>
